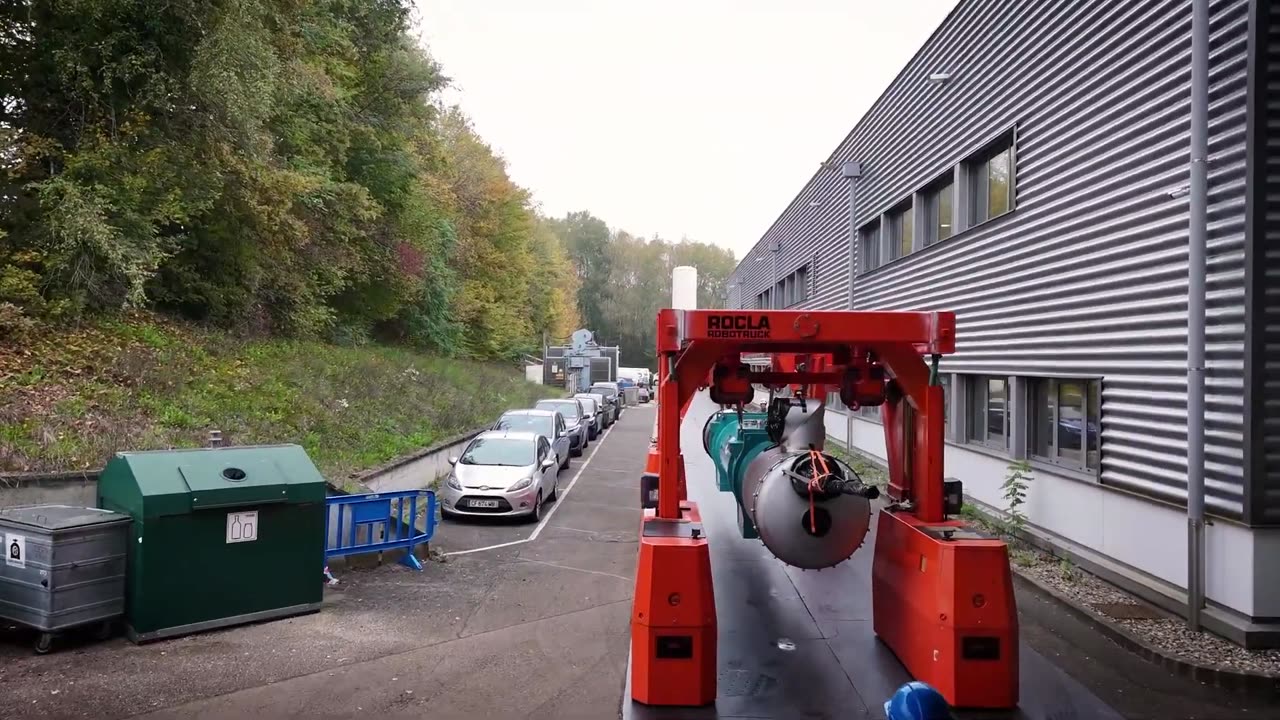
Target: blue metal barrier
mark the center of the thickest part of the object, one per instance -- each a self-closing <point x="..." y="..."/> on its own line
<point x="374" y="522"/>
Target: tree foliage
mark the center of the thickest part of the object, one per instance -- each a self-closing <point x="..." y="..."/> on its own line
<point x="282" y="165"/>
<point x="287" y="167"/>
<point x="626" y="280"/>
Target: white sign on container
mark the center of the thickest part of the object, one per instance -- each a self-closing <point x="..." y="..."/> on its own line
<point x="15" y="550"/>
<point x="242" y="526"/>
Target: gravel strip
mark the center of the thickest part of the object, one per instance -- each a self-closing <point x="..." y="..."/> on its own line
<point x="1167" y="634"/>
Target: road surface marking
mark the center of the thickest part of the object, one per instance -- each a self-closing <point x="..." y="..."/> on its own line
<point x="578" y="569"/>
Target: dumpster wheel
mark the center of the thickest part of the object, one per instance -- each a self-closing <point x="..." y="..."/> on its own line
<point x="44" y="643"/>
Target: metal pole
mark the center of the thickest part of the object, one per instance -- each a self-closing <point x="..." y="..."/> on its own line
<point x="776" y="248"/>
<point x="851" y="171"/>
<point x="1196" y="308"/>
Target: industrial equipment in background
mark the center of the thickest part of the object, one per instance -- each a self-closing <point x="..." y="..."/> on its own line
<point x="579" y="364"/>
<point x="942" y="595"/>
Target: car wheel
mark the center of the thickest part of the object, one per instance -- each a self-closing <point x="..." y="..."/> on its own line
<point x="578" y="452"/>
<point x="536" y="515"/>
<point x="555" y="490"/>
<point x="565" y="465"/>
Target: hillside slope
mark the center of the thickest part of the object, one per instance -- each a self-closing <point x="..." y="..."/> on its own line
<point x="70" y="398"/>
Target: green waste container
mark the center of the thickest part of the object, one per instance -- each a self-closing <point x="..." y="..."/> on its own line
<point x="220" y="536"/>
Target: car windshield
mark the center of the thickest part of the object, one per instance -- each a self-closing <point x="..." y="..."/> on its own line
<point x="568" y="409"/>
<point x="541" y="424"/>
<point x="499" y="451"/>
<point x="606" y="391"/>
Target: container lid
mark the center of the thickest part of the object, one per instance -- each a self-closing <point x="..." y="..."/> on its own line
<point x="58" y="517"/>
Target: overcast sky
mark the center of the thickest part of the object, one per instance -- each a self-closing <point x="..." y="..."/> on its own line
<point x="686" y="118"/>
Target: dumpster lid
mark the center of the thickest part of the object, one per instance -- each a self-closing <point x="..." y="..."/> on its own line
<point x="58" y="517"/>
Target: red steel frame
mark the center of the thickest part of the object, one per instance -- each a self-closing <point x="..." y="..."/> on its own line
<point x="689" y="348"/>
<point x="932" y="596"/>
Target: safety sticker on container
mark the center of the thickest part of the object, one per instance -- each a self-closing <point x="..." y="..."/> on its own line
<point x="242" y="526"/>
<point x="15" y="551"/>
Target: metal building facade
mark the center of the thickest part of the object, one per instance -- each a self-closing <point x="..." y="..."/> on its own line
<point x="1263" y="253"/>
<point x="1087" y="274"/>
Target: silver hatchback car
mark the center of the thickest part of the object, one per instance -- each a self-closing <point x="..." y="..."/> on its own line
<point x="595" y="415"/>
<point x="575" y="420"/>
<point x="547" y="423"/>
<point x="605" y="409"/>
<point x="502" y="473"/>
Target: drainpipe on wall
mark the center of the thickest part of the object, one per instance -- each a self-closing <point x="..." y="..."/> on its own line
<point x="1199" y="231"/>
<point x="775" y="247"/>
<point x="852" y="172"/>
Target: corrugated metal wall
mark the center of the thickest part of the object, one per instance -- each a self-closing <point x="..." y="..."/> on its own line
<point x="1266" y="264"/>
<point x="1088" y="274"/>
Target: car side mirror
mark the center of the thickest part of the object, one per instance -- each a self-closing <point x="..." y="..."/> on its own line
<point x="453" y="461"/>
<point x="546" y="464"/>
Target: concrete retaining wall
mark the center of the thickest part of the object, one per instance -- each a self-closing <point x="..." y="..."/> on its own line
<point x="418" y="470"/>
<point x="70" y="488"/>
<point x="410" y="472"/>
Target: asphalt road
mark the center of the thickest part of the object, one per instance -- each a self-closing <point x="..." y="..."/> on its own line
<point x="527" y="621"/>
<point x="534" y="629"/>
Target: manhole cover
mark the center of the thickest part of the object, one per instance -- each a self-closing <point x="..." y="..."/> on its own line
<point x="1127" y="611"/>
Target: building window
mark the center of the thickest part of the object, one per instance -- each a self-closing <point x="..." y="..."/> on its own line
<point x="945" y="381"/>
<point x="870" y="412"/>
<point x="869" y="239"/>
<point x="938" y="207"/>
<point x="989" y="411"/>
<point x="790" y="290"/>
<point x="801" y="285"/>
<point x="834" y="402"/>
<point x="900" y="232"/>
<point x="1065" y="419"/>
<point x="992" y="181"/>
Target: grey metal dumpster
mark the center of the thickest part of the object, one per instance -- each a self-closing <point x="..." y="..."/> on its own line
<point x="64" y="567"/>
<point x="632" y="394"/>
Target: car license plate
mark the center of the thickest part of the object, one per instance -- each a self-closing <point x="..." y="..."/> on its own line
<point x="484" y="503"/>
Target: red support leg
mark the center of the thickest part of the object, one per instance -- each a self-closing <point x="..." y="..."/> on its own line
<point x="673" y="619"/>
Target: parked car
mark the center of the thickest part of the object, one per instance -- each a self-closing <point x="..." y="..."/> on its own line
<point x="605" y="411"/>
<point x="644" y="394"/>
<point x="612" y="393"/>
<point x="502" y="473"/>
<point x="547" y="423"/>
<point x="575" y="421"/>
<point x="594" y="414"/>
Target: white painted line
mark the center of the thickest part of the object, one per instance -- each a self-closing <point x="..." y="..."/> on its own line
<point x="574" y="529"/>
<point x="578" y="569"/>
<point x="612" y="506"/>
<point x="487" y="547"/>
<point x="559" y="501"/>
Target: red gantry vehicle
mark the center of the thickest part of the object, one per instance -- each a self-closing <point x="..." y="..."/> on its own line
<point x="942" y="596"/>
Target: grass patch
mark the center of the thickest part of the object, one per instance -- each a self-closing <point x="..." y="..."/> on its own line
<point x="871" y="472"/>
<point x="70" y="398"/>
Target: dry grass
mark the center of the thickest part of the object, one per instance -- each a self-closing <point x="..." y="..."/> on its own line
<point x="70" y="398"/>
